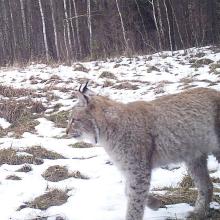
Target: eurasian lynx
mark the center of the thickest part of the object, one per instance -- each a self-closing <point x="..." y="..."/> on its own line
<point x="140" y="136"/>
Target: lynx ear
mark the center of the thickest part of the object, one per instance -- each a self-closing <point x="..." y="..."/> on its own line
<point x="84" y="94"/>
<point x="82" y="98"/>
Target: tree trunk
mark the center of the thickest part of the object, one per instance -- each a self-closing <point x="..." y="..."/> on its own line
<point x="156" y="24"/>
<point x="23" y="19"/>
<point x="89" y="26"/>
<point x="77" y="28"/>
<point x="73" y="30"/>
<point x="68" y="31"/>
<point x="44" y="31"/>
<point x="55" y="30"/>
<point x="168" y="23"/>
<point x="122" y="27"/>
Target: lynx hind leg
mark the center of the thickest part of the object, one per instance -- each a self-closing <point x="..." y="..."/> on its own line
<point x="199" y="172"/>
<point x="137" y="188"/>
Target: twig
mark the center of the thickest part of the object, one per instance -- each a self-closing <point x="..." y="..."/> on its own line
<point x="83" y="158"/>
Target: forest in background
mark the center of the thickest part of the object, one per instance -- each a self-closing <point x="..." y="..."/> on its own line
<point x="70" y="30"/>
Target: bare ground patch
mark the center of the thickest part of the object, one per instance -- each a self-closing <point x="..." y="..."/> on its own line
<point x="57" y="173"/>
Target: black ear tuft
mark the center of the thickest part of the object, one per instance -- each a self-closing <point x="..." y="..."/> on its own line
<point x="85" y="88"/>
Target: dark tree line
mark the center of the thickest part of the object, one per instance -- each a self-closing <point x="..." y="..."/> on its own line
<point x="68" y="30"/>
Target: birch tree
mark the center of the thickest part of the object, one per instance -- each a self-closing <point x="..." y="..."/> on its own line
<point x="89" y="26"/>
<point x="44" y="30"/>
<point x="168" y="23"/>
<point x="122" y="26"/>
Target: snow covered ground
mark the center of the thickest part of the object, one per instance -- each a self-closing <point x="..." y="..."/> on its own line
<point x="101" y="196"/>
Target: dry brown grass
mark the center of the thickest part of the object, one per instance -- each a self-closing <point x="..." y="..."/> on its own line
<point x="81" y="145"/>
<point x="13" y="177"/>
<point x="21" y="115"/>
<point x="126" y="86"/>
<point x="25" y="169"/>
<point x="178" y="195"/>
<point x="43" y="153"/>
<point x="108" y="75"/>
<point x="57" y="173"/>
<point x="60" y="118"/>
<point x="80" y="67"/>
<point x="54" y="197"/>
<point x="187" y="182"/>
<point x="9" y="91"/>
<point x="10" y="156"/>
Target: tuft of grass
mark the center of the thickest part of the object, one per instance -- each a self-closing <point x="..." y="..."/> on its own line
<point x="107" y="74"/>
<point x="80" y="67"/>
<point x="201" y="62"/>
<point x="81" y="145"/>
<point x="9" y="156"/>
<point x="60" y="118"/>
<point x="177" y="195"/>
<point x="153" y="68"/>
<point x="57" y="173"/>
<point x="43" y="153"/>
<point x="25" y="169"/>
<point x="215" y="68"/>
<point x="126" y="85"/>
<point x="187" y="182"/>
<point x="54" y="197"/>
<point x="26" y="123"/>
<point x="9" y="91"/>
<point x="13" y="177"/>
<point x="107" y="83"/>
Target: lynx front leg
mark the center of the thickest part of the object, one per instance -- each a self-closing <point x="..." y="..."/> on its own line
<point x="199" y="172"/>
<point x="138" y="184"/>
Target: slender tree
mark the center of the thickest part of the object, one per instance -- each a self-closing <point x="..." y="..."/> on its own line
<point x="44" y="31"/>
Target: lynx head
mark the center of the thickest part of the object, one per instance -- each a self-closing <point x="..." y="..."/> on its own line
<point x="82" y="123"/>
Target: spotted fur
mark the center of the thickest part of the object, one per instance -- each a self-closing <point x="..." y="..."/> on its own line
<point x="140" y="136"/>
